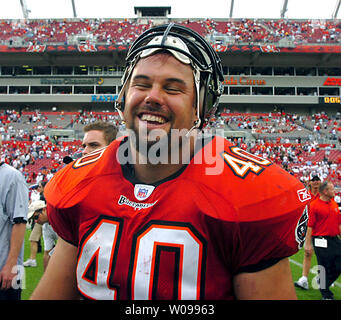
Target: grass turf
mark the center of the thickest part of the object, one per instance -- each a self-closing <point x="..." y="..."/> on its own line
<point x="32" y="274"/>
<point x="311" y="294"/>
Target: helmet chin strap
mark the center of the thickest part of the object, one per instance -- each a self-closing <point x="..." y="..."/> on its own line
<point x="126" y="77"/>
<point x="118" y="102"/>
<point x="197" y="123"/>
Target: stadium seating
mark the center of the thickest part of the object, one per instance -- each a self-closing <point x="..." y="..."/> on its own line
<point x="287" y="140"/>
<point x="123" y="31"/>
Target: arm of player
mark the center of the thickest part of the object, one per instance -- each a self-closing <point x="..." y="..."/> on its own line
<point x="273" y="283"/>
<point x="59" y="279"/>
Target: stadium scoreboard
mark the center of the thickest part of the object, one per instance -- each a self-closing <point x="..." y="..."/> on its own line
<point x="330" y="100"/>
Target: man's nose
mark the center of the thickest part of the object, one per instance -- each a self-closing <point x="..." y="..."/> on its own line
<point x="155" y="96"/>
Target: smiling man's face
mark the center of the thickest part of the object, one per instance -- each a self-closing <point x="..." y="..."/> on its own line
<point x="160" y="97"/>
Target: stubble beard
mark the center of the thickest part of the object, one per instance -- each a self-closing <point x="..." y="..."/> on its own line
<point x="158" y="146"/>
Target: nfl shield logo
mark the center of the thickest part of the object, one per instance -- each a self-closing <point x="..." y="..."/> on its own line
<point x="143" y="191"/>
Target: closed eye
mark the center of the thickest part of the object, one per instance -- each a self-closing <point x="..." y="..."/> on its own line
<point x="141" y="81"/>
<point x="141" y="85"/>
<point x="175" y="85"/>
<point x="173" y="90"/>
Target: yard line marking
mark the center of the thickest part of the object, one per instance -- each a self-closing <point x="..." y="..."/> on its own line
<point x="313" y="272"/>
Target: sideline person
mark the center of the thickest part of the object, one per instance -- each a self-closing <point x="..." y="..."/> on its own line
<point x="13" y="218"/>
<point x="37" y="212"/>
<point x="36" y="232"/>
<point x="324" y="227"/>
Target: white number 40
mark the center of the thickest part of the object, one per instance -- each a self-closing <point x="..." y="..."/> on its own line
<point x="99" y="255"/>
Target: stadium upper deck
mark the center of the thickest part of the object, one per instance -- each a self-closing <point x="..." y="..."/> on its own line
<point x="76" y="64"/>
<point x="124" y="31"/>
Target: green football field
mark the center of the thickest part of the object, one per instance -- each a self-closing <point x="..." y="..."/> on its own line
<point x="311" y="294"/>
<point x="33" y="275"/>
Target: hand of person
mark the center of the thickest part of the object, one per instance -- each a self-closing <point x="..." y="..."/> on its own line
<point x="6" y="277"/>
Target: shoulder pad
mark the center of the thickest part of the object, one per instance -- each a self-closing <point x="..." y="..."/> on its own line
<point x="72" y="180"/>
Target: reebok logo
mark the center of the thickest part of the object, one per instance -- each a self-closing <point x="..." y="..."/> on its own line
<point x="303" y="195"/>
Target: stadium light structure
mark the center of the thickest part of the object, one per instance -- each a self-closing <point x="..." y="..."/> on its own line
<point x="25" y="11"/>
<point x="284" y="8"/>
<point x="231" y="8"/>
<point x="74" y="9"/>
<point x="336" y="10"/>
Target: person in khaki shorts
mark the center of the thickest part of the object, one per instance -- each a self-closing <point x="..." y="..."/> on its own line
<point x="37" y="211"/>
<point x="36" y="234"/>
<point x="34" y="239"/>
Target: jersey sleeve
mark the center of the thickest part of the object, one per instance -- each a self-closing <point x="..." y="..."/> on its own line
<point x="63" y="224"/>
<point x="60" y="209"/>
<point x="66" y="190"/>
<point x="256" y="236"/>
<point x="273" y="226"/>
<point x="263" y="243"/>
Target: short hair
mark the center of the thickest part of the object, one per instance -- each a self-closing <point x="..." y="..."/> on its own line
<point x="109" y="130"/>
<point x="323" y="186"/>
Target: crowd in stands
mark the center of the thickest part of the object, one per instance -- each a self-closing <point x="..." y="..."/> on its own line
<point x="289" y="126"/>
<point x="281" y="125"/>
<point x="47" y="31"/>
<point x="27" y="147"/>
<point x="124" y="31"/>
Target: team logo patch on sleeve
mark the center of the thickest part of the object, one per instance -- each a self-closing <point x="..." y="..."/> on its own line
<point x="301" y="228"/>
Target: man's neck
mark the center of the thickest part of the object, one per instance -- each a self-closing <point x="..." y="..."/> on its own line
<point x="151" y="173"/>
<point x="148" y="172"/>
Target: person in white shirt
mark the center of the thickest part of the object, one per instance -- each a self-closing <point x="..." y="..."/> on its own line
<point x="13" y="212"/>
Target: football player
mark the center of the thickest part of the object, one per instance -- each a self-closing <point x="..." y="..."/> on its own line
<point x="166" y="212"/>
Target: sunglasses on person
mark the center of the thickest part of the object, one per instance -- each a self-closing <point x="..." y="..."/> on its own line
<point x="36" y="216"/>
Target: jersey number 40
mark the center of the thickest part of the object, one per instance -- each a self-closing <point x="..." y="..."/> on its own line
<point x="99" y="257"/>
<point x="242" y="163"/>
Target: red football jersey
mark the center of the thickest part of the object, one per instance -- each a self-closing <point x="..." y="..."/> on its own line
<point x="184" y="237"/>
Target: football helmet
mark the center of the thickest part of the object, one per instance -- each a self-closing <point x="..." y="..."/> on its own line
<point x="189" y="48"/>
